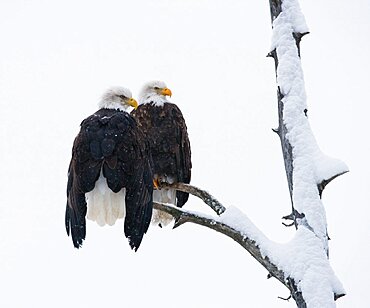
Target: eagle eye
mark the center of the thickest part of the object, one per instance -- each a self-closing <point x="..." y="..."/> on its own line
<point x="122" y="96"/>
<point x="156" y="88"/>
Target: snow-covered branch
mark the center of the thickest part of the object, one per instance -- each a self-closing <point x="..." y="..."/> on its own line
<point x="208" y="199"/>
<point x="220" y="224"/>
<point x="289" y="263"/>
<point x="308" y="170"/>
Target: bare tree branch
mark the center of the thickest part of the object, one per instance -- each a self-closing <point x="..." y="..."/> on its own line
<point x="213" y="203"/>
<point x="321" y="186"/>
<point x="285" y="299"/>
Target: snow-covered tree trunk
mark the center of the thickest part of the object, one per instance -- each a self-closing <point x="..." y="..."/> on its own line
<point x="302" y="264"/>
<point x="308" y="170"/>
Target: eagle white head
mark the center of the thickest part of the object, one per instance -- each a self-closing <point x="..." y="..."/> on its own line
<point x="117" y="98"/>
<point x="155" y="92"/>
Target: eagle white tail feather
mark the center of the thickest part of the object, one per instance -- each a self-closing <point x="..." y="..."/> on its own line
<point x="103" y="205"/>
<point x="163" y="196"/>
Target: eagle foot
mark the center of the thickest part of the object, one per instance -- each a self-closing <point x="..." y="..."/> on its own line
<point x="156" y="184"/>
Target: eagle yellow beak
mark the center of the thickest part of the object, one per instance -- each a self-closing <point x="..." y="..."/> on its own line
<point x="132" y="103"/>
<point x="166" y="91"/>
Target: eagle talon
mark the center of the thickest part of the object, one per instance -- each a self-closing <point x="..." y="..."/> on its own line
<point x="156" y="184"/>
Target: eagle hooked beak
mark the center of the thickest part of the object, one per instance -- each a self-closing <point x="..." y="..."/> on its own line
<point x="166" y="91"/>
<point x="133" y="103"/>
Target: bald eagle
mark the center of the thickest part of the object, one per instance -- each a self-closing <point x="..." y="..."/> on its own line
<point x="110" y="167"/>
<point x="164" y="126"/>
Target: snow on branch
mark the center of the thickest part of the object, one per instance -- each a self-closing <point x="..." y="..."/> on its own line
<point x="202" y="194"/>
<point x="308" y="169"/>
<point x="220" y="224"/>
<point x="289" y="263"/>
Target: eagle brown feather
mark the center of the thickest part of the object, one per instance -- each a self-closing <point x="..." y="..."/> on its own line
<point x="166" y="131"/>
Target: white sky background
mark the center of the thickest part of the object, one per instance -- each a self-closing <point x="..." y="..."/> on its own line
<point x="57" y="58"/>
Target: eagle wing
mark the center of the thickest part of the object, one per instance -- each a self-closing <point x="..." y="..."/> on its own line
<point x="167" y="134"/>
<point x="183" y="154"/>
<point x="110" y="142"/>
<point x="139" y="186"/>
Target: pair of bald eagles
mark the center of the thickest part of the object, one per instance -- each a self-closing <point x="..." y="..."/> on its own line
<point x="118" y="157"/>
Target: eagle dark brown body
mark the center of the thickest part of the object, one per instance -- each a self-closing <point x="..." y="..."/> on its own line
<point x="110" y="144"/>
<point x="166" y="131"/>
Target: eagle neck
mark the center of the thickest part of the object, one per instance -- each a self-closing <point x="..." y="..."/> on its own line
<point x="112" y="105"/>
<point x="156" y="100"/>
